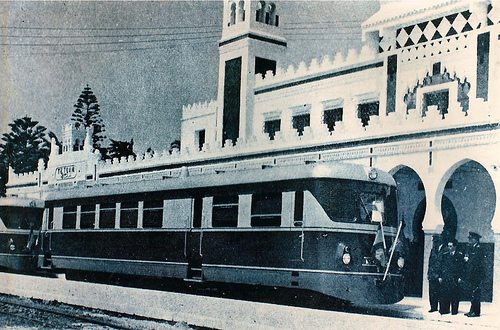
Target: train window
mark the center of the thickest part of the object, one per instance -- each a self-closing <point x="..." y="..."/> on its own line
<point x="107" y="215"/>
<point x="51" y="218"/>
<point x="87" y="216"/>
<point x="21" y="217"/>
<point x="69" y="217"/>
<point x="298" y="210"/>
<point x="129" y="214"/>
<point x="225" y="211"/>
<point x="197" y="212"/>
<point x="266" y="210"/>
<point x="361" y="204"/>
<point x="152" y="214"/>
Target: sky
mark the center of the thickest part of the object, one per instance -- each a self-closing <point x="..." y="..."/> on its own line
<point x="143" y="60"/>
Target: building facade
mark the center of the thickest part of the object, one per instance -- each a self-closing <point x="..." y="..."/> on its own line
<point x="418" y="100"/>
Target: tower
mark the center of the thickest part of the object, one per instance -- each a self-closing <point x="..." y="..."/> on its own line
<point x="73" y="137"/>
<point x="251" y="44"/>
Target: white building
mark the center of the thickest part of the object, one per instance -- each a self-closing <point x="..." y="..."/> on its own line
<point x="417" y="101"/>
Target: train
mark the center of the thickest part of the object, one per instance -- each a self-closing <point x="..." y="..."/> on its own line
<point x="327" y="227"/>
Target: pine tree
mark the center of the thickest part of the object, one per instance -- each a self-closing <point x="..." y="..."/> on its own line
<point x="24" y="146"/>
<point x="118" y="149"/>
<point x="87" y="113"/>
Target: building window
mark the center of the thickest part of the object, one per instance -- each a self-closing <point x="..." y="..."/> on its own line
<point x="436" y="68"/>
<point x="225" y="211"/>
<point x="262" y="66"/>
<point x="69" y="217"/>
<point x="152" y="214"/>
<point x="271" y="127"/>
<point x="438" y="98"/>
<point x="365" y="110"/>
<point x="331" y="116"/>
<point x="129" y="212"/>
<point x="200" y="139"/>
<point x="232" y="14"/>
<point x="266" y="210"/>
<point x="107" y="215"/>
<point x="241" y="11"/>
<point x="87" y="216"/>
<point x="301" y="121"/>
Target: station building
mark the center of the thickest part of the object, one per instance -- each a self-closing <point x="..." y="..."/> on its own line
<point x="418" y="100"/>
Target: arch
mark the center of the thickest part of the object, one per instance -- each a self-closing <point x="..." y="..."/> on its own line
<point x="469" y="185"/>
<point x="260" y="12"/>
<point x="411" y="209"/>
<point x="232" y="14"/>
<point x="270" y="13"/>
<point x="241" y="11"/>
<point x="77" y="146"/>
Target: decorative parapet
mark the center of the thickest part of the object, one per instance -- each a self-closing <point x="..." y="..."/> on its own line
<point x="317" y="67"/>
<point x="29" y="179"/>
<point x="199" y="109"/>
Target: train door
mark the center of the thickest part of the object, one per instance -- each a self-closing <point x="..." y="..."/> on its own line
<point x="194" y="241"/>
<point x="45" y="239"/>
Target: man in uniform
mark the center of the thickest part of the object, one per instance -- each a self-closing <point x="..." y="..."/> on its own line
<point x="474" y="273"/>
<point x="449" y="275"/>
<point x="433" y="272"/>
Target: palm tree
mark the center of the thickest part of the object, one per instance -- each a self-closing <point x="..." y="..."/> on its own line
<point x="87" y="113"/>
<point x="24" y="146"/>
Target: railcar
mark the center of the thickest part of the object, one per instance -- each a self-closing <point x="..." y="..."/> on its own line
<point x="20" y="224"/>
<point x="312" y="226"/>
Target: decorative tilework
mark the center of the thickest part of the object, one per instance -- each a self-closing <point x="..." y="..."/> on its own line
<point x="430" y="30"/>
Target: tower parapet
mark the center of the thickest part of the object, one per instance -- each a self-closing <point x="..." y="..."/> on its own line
<point x="243" y="17"/>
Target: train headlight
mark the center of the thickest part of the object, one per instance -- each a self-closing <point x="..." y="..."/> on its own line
<point x="346" y="258"/>
<point x="11" y="244"/>
<point x="401" y="262"/>
<point x="373" y="174"/>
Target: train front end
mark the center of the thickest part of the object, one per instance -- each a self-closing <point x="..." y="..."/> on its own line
<point x="20" y="222"/>
<point x="361" y="251"/>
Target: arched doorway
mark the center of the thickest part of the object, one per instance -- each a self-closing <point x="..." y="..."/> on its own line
<point x="470" y="189"/>
<point x="411" y="208"/>
<point x="449" y="215"/>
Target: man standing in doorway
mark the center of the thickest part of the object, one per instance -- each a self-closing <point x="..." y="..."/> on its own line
<point x="474" y="273"/>
<point x="433" y="272"/>
<point x="450" y="272"/>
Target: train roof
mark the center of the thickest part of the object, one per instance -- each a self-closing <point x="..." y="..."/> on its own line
<point x="22" y="202"/>
<point x="230" y="178"/>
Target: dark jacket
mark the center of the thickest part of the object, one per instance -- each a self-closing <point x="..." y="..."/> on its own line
<point x="474" y="264"/>
<point x="435" y="262"/>
<point x="452" y="262"/>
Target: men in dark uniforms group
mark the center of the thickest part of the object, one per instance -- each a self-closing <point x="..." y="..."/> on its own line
<point x="451" y="272"/>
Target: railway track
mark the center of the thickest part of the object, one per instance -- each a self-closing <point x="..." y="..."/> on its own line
<point x="39" y="314"/>
<point x="116" y="306"/>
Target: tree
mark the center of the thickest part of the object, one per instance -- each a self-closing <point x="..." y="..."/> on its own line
<point x="22" y="148"/>
<point x="118" y="149"/>
<point x="87" y="113"/>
